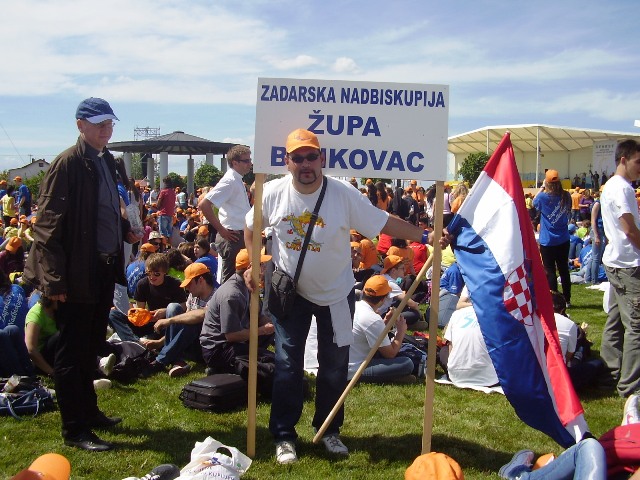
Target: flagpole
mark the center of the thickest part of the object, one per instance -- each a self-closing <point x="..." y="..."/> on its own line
<point x="433" y="319"/>
<point x="254" y="316"/>
<point x="392" y="321"/>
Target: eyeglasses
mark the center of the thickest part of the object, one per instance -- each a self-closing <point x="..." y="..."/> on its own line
<point x="154" y="274"/>
<point x="106" y="125"/>
<point x="156" y="244"/>
<point x="243" y="160"/>
<point x="311" y="157"/>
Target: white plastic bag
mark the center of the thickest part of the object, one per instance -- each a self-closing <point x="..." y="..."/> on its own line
<point x="133" y="215"/>
<point x="208" y="464"/>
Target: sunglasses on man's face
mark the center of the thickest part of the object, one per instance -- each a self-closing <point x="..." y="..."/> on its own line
<point x="156" y="244"/>
<point x="311" y="157"/>
<point x="154" y="274"/>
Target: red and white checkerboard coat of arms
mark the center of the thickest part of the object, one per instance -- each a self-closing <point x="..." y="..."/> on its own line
<point x="517" y="296"/>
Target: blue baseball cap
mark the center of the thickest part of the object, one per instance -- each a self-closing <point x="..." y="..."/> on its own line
<point x="95" y="110"/>
<point x="571" y="228"/>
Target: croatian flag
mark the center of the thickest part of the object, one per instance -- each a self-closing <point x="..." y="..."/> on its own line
<point x="500" y="261"/>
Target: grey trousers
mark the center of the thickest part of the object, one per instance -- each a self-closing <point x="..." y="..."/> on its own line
<point x="620" y="347"/>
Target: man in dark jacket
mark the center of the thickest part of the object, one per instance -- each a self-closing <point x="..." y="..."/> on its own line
<point x="76" y="258"/>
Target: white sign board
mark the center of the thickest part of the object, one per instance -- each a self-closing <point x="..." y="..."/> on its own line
<point x="604" y="157"/>
<point x="366" y="129"/>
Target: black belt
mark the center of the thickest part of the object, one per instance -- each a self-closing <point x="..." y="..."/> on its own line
<point x="107" y="258"/>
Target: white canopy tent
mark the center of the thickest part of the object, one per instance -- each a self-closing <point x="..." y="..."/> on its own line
<point x="566" y="149"/>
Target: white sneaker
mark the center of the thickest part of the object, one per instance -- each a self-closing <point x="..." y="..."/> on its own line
<point x="521" y="462"/>
<point x="333" y="444"/>
<point x="631" y="413"/>
<point x="101" y="384"/>
<point x="106" y="364"/>
<point x="286" y="452"/>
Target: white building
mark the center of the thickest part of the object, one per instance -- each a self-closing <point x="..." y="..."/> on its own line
<point x="29" y="170"/>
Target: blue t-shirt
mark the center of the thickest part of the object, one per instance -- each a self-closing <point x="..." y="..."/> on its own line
<point x="553" y="219"/>
<point x="14" y="307"/>
<point x="574" y="239"/>
<point x="135" y="271"/>
<point x="452" y="279"/>
<point x="212" y="264"/>
<point x="23" y="191"/>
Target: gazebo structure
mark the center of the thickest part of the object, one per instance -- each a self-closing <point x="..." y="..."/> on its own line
<point x="176" y="143"/>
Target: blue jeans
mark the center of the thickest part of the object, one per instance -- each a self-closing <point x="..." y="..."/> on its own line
<point x="14" y="357"/>
<point x="164" y="225"/>
<point x="596" y="255"/>
<point x="287" y="398"/>
<point x="387" y="369"/>
<point x="584" y="461"/>
<point x="177" y="338"/>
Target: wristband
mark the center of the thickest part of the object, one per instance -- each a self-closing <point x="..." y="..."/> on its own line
<point x="425" y="238"/>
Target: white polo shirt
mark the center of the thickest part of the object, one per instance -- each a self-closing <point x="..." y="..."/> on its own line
<point x="230" y="197"/>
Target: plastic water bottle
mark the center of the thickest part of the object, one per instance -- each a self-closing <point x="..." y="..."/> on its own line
<point x="11" y="384"/>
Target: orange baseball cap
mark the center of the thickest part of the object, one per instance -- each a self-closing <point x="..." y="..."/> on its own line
<point x="139" y="316"/>
<point x="192" y="271"/>
<point x="148" y="247"/>
<point x="13" y="245"/>
<point x="376" y="286"/>
<point x="14" y="222"/>
<point x="390" y="262"/>
<point x="243" y="260"/>
<point x="203" y="230"/>
<point x="301" y="138"/>
<point x="17" y="179"/>
<point x="434" y="466"/>
<point x="50" y="466"/>
<point x="552" y="176"/>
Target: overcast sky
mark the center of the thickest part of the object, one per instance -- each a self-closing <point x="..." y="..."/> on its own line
<point x="193" y="65"/>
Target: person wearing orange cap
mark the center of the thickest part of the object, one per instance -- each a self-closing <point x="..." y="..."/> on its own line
<point x="76" y="258"/>
<point x="8" y="205"/>
<point x="554" y="205"/>
<point x="229" y="196"/>
<point x="225" y="332"/>
<point x="12" y="257"/>
<point x="324" y="288"/>
<point x="386" y="366"/>
<point x="620" y="348"/>
<point x="182" y="327"/>
<point x="23" y="198"/>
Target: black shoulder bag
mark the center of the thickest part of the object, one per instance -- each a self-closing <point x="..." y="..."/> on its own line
<point x="283" y="287"/>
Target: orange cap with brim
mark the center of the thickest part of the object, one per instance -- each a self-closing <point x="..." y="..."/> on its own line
<point x="192" y="271"/>
<point x="139" y="316"/>
<point x="390" y="262"/>
<point x="243" y="260"/>
<point x="301" y="138"/>
<point x="376" y="286"/>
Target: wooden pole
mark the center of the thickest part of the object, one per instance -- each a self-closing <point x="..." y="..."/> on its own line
<point x="254" y="316"/>
<point x="433" y="320"/>
<point x="398" y="310"/>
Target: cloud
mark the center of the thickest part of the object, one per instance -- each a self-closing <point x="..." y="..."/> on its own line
<point x="300" y="61"/>
<point x="345" y="65"/>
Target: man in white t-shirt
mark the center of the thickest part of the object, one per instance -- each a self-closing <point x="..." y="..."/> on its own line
<point x="620" y="348"/>
<point x="368" y="325"/>
<point x="325" y="286"/>
<point x="230" y="197"/>
<point x="468" y="363"/>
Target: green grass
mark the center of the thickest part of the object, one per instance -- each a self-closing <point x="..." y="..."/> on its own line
<point x="383" y="428"/>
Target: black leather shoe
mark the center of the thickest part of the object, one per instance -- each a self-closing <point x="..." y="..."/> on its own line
<point x="102" y="421"/>
<point x="88" y="441"/>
